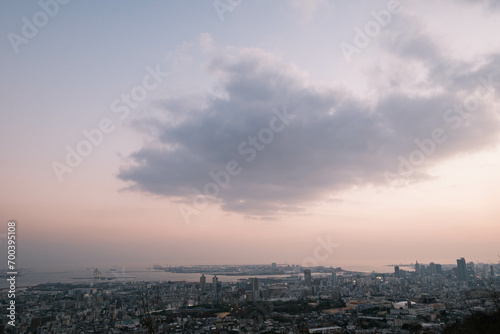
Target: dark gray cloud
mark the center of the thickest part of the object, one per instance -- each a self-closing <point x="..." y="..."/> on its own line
<point x="335" y="141"/>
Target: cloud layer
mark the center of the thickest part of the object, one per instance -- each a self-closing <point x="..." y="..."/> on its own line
<point x="335" y="141"/>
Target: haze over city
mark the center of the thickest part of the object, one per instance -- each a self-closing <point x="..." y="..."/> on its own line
<point x="183" y="133"/>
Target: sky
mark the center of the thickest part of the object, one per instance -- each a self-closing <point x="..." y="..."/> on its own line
<point x="318" y="132"/>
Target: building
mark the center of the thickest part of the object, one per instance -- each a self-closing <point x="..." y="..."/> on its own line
<point x="307" y="277"/>
<point x="421" y="310"/>
<point x="461" y="270"/>
<point x="333" y="279"/>
<point x="432" y="268"/>
<point x="396" y="270"/>
<point x="404" y="305"/>
<point x="255" y="288"/>
<point x="471" y="271"/>
<point x="492" y="271"/>
<point x="417" y="268"/>
<point x="215" y="283"/>
<point x="359" y="305"/>
<point x="203" y="283"/>
<point x="439" y="269"/>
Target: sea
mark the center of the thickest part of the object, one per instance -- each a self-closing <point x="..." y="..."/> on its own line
<point x="32" y="277"/>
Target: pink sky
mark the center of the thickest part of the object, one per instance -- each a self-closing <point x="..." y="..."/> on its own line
<point x="322" y="176"/>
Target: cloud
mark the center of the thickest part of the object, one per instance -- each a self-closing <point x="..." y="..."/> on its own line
<point x="309" y="9"/>
<point x="407" y="39"/>
<point x="334" y="143"/>
<point x="206" y="43"/>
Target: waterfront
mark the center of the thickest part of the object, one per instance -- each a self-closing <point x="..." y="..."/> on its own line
<point x="31" y="277"/>
<point x="430" y="300"/>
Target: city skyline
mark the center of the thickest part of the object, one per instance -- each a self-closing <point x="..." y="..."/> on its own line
<point x="320" y="133"/>
<point x="331" y="301"/>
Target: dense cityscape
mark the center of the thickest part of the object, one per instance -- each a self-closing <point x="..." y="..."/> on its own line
<point x="430" y="298"/>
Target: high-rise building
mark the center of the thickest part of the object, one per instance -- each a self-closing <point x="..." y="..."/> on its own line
<point x="334" y="279"/>
<point x="439" y="269"/>
<point x="396" y="270"/>
<point x="215" y="283"/>
<point x="471" y="271"/>
<point x="461" y="270"/>
<point x="432" y="268"/>
<point x="492" y="271"/>
<point x="203" y="283"/>
<point x="307" y="277"/>
<point x="255" y="288"/>
<point x="417" y="268"/>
